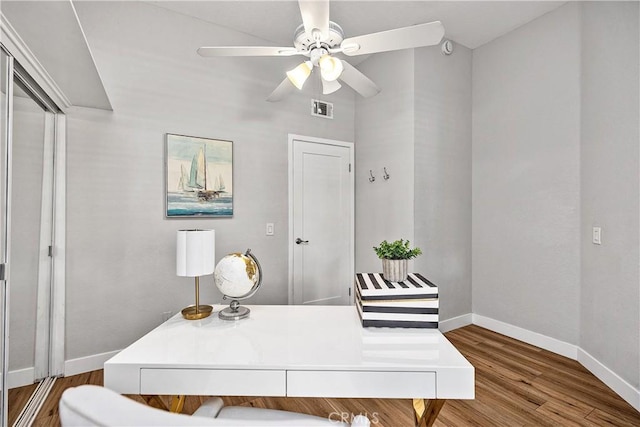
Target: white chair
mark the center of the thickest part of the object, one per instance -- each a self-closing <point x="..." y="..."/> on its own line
<point x="90" y="405"/>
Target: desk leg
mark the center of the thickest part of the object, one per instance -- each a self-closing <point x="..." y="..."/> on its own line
<point x="426" y="411"/>
<point x="177" y="403"/>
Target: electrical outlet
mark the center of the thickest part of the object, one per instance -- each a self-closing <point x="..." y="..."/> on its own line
<point x="597" y="236"/>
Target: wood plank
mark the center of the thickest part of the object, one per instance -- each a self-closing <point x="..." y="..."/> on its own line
<point x="610" y="403"/>
<point x="564" y="415"/>
<point x="463" y="413"/>
<point x="602" y="418"/>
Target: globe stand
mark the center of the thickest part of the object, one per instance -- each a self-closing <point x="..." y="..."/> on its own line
<point x="234" y="312"/>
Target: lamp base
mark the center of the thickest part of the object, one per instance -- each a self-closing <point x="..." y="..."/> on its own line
<point x="190" y="313"/>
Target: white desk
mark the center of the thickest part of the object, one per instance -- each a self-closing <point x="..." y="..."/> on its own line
<point x="302" y="351"/>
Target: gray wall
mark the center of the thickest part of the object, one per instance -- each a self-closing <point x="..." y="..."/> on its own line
<point x="555" y="153"/>
<point x="121" y="250"/>
<point x="442" y="164"/>
<point x="384" y="129"/>
<point x="526" y="176"/>
<point x="610" y="299"/>
<point x="419" y="128"/>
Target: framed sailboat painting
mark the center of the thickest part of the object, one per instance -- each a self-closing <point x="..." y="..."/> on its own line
<point x="198" y="177"/>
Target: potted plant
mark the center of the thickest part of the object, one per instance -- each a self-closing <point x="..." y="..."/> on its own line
<point x="394" y="258"/>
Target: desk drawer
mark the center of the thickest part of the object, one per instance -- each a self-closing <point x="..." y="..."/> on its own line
<point x="223" y="382"/>
<point x="390" y="385"/>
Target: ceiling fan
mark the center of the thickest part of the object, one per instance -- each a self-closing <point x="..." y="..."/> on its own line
<point x="319" y="39"/>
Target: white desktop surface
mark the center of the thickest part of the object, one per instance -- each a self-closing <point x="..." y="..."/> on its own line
<point x="312" y="351"/>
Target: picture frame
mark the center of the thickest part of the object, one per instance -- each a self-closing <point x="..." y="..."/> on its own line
<point x="198" y="177"/>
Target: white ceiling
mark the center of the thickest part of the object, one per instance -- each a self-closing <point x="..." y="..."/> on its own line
<point x="470" y="23"/>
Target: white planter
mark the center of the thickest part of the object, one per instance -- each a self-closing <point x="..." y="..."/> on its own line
<point x="394" y="270"/>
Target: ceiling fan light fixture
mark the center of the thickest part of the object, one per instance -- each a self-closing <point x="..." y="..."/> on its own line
<point x="329" y="87"/>
<point x="331" y="68"/>
<point x="300" y="74"/>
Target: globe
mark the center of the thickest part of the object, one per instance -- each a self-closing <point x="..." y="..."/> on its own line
<point x="237" y="276"/>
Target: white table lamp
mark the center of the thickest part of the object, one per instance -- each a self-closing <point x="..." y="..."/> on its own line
<point x="196" y="253"/>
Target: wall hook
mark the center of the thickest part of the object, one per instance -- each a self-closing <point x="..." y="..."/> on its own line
<point x="386" y="175"/>
<point x="373" y="178"/>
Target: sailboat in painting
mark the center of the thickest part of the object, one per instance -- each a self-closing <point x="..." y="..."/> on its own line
<point x="219" y="185"/>
<point x="183" y="184"/>
<point x="198" y="181"/>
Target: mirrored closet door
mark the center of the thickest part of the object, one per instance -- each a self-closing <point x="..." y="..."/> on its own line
<point x="28" y="245"/>
<point x="4" y="304"/>
<point x="31" y="217"/>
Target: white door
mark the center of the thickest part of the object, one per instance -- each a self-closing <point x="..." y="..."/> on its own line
<point x="321" y="216"/>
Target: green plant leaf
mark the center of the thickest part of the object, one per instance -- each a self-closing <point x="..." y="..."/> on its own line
<point x="396" y="250"/>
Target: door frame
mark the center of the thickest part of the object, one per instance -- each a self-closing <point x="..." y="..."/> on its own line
<point x="5" y="228"/>
<point x="290" y="244"/>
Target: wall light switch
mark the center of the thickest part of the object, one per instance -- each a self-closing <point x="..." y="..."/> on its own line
<point x="270" y="229"/>
<point x="597" y="236"/>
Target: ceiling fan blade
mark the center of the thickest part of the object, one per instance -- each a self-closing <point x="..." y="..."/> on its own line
<point x="401" y="38"/>
<point x="329" y="86"/>
<point x="247" y="51"/>
<point x="283" y="89"/>
<point x="315" y="16"/>
<point x="358" y="81"/>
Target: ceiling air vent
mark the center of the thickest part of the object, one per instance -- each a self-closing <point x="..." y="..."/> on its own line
<point x="321" y="109"/>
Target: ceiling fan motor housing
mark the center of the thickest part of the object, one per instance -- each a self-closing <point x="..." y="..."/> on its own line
<point x="304" y="43"/>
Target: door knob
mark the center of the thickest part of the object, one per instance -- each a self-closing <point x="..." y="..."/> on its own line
<point x="300" y="241"/>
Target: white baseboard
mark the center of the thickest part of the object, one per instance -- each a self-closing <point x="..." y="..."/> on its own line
<point x="610" y="378"/>
<point x="20" y="377"/>
<point x="455" y="322"/>
<point x="88" y="363"/>
<point x="556" y="346"/>
<point x="625" y="390"/>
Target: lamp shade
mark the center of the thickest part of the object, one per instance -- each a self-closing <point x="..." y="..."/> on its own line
<point x="330" y="86"/>
<point x="299" y="75"/>
<point x="331" y="68"/>
<point x="196" y="252"/>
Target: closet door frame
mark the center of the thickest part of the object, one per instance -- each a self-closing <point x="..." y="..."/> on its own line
<point x="55" y="235"/>
<point x="5" y="221"/>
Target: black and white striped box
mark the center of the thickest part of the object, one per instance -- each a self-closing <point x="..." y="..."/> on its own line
<point x="412" y="303"/>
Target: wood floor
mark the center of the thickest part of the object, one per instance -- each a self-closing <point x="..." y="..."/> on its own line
<point x="516" y="385"/>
